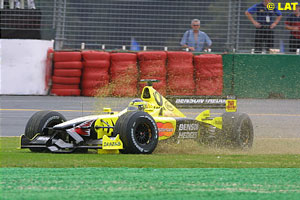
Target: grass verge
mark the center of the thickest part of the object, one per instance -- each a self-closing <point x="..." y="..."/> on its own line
<point x="141" y="183"/>
<point x="184" y="155"/>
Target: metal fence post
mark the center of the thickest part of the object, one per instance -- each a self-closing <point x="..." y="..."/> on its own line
<point x="238" y="26"/>
<point x="60" y="23"/>
<point x="229" y="27"/>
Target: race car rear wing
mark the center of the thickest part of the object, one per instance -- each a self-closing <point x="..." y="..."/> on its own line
<point x="210" y="102"/>
<point x="149" y="94"/>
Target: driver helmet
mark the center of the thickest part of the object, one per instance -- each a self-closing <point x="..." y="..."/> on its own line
<point x="137" y="104"/>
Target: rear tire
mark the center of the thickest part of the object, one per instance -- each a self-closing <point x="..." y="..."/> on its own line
<point x="138" y="132"/>
<point x="237" y="130"/>
<point x="39" y="121"/>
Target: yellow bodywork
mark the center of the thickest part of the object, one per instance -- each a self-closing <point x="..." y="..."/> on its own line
<point x="108" y="143"/>
<point x="163" y="112"/>
<point x="109" y="146"/>
<point x="104" y="121"/>
<point x="206" y="118"/>
<point x="162" y="107"/>
<point x="157" y="105"/>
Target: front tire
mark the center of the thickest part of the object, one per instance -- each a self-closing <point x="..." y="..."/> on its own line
<point x="138" y="132"/>
<point x="39" y="121"/>
<point x="237" y="130"/>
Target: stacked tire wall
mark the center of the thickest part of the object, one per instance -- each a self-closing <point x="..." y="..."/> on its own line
<point x="66" y="74"/>
<point x="153" y="66"/>
<point x="95" y="77"/>
<point x="180" y="73"/>
<point x="208" y="74"/>
<point x="124" y="74"/>
<point x="96" y="73"/>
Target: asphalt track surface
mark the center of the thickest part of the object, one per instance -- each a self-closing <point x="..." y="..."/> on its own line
<point x="272" y="118"/>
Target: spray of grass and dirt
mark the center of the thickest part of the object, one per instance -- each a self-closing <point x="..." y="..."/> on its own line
<point x="266" y="153"/>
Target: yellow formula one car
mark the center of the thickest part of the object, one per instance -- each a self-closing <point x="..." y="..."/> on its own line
<point x="139" y="127"/>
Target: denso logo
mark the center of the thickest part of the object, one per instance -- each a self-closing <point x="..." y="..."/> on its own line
<point x="111" y="144"/>
<point x="188" y="127"/>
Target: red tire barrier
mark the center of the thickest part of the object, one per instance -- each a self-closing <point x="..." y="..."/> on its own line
<point x="68" y="65"/>
<point x="208" y="74"/>
<point x="153" y="63"/>
<point x="126" y="68"/>
<point x="90" y="70"/>
<point x="179" y="86"/>
<point x="62" y="86"/>
<point x="124" y="74"/>
<point x="95" y="55"/>
<point x="124" y="87"/>
<point x="209" y="86"/>
<point x="180" y="70"/>
<point x="92" y="84"/>
<point x="66" y="92"/>
<point x="95" y="92"/>
<point x="123" y="91"/>
<point x="209" y="59"/>
<point x="152" y="55"/>
<point x="180" y="73"/>
<point x="182" y="92"/>
<point x="62" y="56"/>
<point x="95" y="76"/>
<point x="121" y="57"/>
<point x="67" y="72"/>
<point x="89" y="92"/>
<point x="208" y="65"/>
<point x="180" y="63"/>
<point x="179" y="57"/>
<point x="153" y="66"/>
<point x="96" y="63"/>
<point x="66" y="80"/>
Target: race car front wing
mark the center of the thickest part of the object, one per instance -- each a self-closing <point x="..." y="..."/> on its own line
<point x="52" y="144"/>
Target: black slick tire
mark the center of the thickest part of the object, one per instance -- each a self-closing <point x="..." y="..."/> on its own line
<point x="237" y="130"/>
<point x="39" y="121"/>
<point x="138" y="132"/>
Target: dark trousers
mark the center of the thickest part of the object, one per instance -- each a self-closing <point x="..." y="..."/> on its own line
<point x="264" y="38"/>
<point x="294" y="44"/>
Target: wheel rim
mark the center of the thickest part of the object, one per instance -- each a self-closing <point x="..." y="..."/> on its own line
<point x="60" y="135"/>
<point x="143" y="133"/>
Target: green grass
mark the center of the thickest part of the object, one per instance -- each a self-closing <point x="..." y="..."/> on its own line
<point x="173" y="171"/>
<point x="197" y="158"/>
<point x="141" y="183"/>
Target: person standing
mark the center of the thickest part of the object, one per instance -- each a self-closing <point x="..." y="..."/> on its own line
<point x="293" y="24"/>
<point x="20" y="5"/>
<point x="194" y="39"/>
<point x="264" y="23"/>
